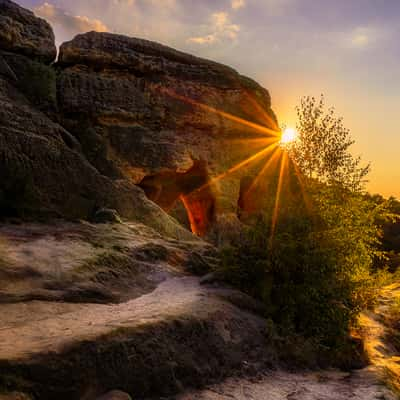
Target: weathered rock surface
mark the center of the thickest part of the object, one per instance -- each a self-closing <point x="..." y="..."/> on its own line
<point x="43" y="170"/>
<point x="91" y="263"/>
<point x="117" y="111"/>
<point x="44" y="173"/>
<point x="166" y="332"/>
<point x="23" y="33"/>
<point x="106" y="215"/>
<point x="115" y="395"/>
<point x="281" y="385"/>
<point x="139" y="108"/>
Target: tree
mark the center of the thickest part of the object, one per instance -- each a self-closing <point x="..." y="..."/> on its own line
<point x="322" y="151"/>
<point x="316" y="274"/>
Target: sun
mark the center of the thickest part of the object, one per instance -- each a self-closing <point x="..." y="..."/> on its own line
<point x="289" y="135"/>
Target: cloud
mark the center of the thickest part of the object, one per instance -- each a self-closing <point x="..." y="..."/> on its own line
<point x="221" y="29"/>
<point x="68" y="24"/>
<point x="360" y="40"/>
<point x="208" y="39"/>
<point x="361" y="37"/>
<point x="367" y="37"/>
<point x="236" y="4"/>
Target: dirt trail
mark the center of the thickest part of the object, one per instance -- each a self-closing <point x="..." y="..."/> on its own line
<point x="365" y="384"/>
<point x="384" y="358"/>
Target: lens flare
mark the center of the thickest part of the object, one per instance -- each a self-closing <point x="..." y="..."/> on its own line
<point x="289" y="135"/>
<point x="271" y="145"/>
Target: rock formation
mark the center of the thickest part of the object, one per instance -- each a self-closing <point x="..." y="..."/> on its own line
<point x="23" y="33"/>
<point x="43" y="170"/>
<point x="115" y="112"/>
<point x="160" y="331"/>
<point x="112" y="309"/>
<point x="139" y="108"/>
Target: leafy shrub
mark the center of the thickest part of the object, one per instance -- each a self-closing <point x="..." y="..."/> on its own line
<point x="314" y="268"/>
<point x="314" y="274"/>
<point x="38" y="82"/>
<point x="19" y="196"/>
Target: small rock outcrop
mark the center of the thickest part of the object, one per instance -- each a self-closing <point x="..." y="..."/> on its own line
<point x="115" y="395"/>
<point x="23" y="33"/>
<point x="105" y="215"/>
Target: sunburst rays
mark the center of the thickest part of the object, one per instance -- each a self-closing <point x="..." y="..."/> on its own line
<point x="244" y="163"/>
<point x="266" y="147"/>
<point x="257" y="128"/>
<point x="275" y="212"/>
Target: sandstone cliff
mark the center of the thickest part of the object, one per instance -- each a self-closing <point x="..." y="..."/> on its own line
<point x="115" y="112"/>
<point x="43" y="170"/>
<point x="139" y="108"/>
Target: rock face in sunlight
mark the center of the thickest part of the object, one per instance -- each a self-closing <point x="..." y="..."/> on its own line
<point x="115" y="112"/>
<point x="101" y="294"/>
<point x="139" y="108"/>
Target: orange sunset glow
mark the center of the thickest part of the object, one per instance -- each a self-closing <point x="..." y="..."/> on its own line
<point x="199" y="199"/>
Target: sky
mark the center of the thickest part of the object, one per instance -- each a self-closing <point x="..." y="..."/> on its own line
<point x="349" y="50"/>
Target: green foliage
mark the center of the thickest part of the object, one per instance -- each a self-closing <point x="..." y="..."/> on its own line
<point x="19" y="196"/>
<point x="391" y="232"/>
<point x="38" y="83"/>
<point x="323" y="149"/>
<point x="314" y="273"/>
<point x="313" y="269"/>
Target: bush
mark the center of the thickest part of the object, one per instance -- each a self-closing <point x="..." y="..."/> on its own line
<point x="19" y="195"/>
<point x="38" y="82"/>
<point x="313" y="266"/>
<point x="313" y="274"/>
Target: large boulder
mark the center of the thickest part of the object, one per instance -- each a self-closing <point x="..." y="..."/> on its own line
<point x="43" y="170"/>
<point x="45" y="174"/>
<point x="23" y="33"/>
<point x="148" y="113"/>
<point x="116" y="112"/>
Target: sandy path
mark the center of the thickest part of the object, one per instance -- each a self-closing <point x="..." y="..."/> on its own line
<point x="38" y="327"/>
<point x="52" y="326"/>
<point x="327" y="385"/>
<point x="364" y="384"/>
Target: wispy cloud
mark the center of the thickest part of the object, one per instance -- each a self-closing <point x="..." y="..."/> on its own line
<point x="220" y="28"/>
<point x="361" y="37"/>
<point x="236" y="4"/>
<point x="364" y="37"/>
<point x="67" y="23"/>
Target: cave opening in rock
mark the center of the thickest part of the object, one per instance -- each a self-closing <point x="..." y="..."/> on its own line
<point x="192" y="188"/>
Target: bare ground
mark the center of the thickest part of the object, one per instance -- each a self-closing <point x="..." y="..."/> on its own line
<point x="161" y="332"/>
<point x="379" y="381"/>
